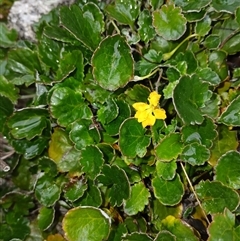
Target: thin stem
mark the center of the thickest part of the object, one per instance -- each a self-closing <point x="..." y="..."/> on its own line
<point x="4" y="166"/>
<point x="115" y="26"/>
<point x="229" y="37"/>
<point x="22" y="97"/>
<point x="195" y="194"/>
<point x="167" y="56"/>
<point x="138" y="78"/>
<point x="158" y="80"/>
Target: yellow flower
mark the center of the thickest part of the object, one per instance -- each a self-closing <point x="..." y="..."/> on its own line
<point x="147" y="114"/>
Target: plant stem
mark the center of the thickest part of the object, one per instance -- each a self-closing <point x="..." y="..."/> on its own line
<point x="115" y="26"/>
<point x="229" y="37"/>
<point x="167" y="56"/>
<point x="138" y="78"/>
<point x="195" y="194"/>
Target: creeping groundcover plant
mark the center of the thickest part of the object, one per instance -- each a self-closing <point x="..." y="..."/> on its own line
<point x="120" y="122"/>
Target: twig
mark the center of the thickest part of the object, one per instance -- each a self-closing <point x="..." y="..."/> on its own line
<point x="4" y="166"/>
<point x="195" y="194"/>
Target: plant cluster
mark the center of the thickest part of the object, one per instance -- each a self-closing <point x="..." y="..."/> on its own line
<point x="121" y="122"/>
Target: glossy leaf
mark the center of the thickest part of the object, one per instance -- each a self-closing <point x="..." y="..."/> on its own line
<point x="231" y="116"/>
<point x="86" y="223"/>
<point x="223" y="227"/>
<point x="166" y="170"/>
<point x="228" y="169"/>
<point x="75" y="190"/>
<point x="168" y="192"/>
<point x="85" y="24"/>
<point x="45" y="217"/>
<point x="207" y="75"/>
<point x="91" y="161"/>
<point x="8" y="36"/>
<point x="136" y="236"/>
<point x="204" y="26"/>
<point x="146" y="30"/>
<point x="169" y="22"/>
<point x="195" y="94"/>
<point x="8" y="90"/>
<point x="210" y="192"/>
<point x="124" y="12"/>
<point x="169" y="147"/>
<point x="113" y="54"/>
<point x="84" y="132"/>
<point x="116" y="180"/>
<point x="195" y="154"/>
<point x="132" y="139"/>
<point x="204" y="134"/>
<point x="165" y="236"/>
<point x="226" y="141"/>
<point x="178" y="228"/>
<point x="212" y="41"/>
<point x="67" y="106"/>
<point x="28" y="123"/>
<point x="220" y="6"/>
<point x="137" y="200"/>
<point x="191" y="5"/>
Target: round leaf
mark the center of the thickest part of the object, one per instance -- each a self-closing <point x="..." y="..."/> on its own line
<point x="86" y="223"/>
<point x="138" y="199"/>
<point x="215" y="196"/>
<point x="191" y="5"/>
<point x="168" y="192"/>
<point x="204" y="26"/>
<point x="166" y="170"/>
<point x="28" y="123"/>
<point x="195" y="154"/>
<point x="45" y="217"/>
<point x="113" y="63"/>
<point x="67" y="106"/>
<point x="91" y="161"/>
<point x="221" y="6"/>
<point x="132" y="138"/>
<point x="228" y="169"/>
<point x="165" y="236"/>
<point x="195" y="94"/>
<point x="169" y="148"/>
<point x="231" y="116"/>
<point x="169" y="22"/>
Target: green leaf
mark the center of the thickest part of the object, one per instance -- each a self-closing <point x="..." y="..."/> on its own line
<point x="47" y="191"/>
<point x="75" y="190"/>
<point x="237" y="15"/>
<point x="215" y="196"/>
<point x="132" y="138"/>
<point x="145" y="30"/>
<point x="8" y="36"/>
<point x="85" y="24"/>
<point x="86" y="223"/>
<point x="124" y="12"/>
<point x="113" y="63"/>
<point x="231" y="116"/>
<point x="223" y="227"/>
<point x="6" y="109"/>
<point x="117" y="181"/>
<point x="217" y="62"/>
<point x="8" y="90"/>
<point x="166" y="170"/>
<point x="92" y="196"/>
<point x="204" y="133"/>
<point x="178" y="228"/>
<point x="204" y="26"/>
<point x="28" y="123"/>
<point x="45" y="217"/>
<point x="228" y="169"/>
<point x="67" y="106"/>
<point x="191" y="5"/>
<point x="124" y="112"/>
<point x="156" y="3"/>
<point x="168" y="192"/>
<point x="226" y="141"/>
<point x="165" y="236"/>
<point x="195" y="94"/>
<point x="221" y="6"/>
<point x="212" y="41"/>
<point x="136" y="236"/>
<point x="84" y="133"/>
<point x="48" y="166"/>
<point x="169" y="22"/>
<point x="207" y="75"/>
<point x="137" y="200"/>
<point x="195" y="154"/>
<point x="91" y="161"/>
<point x="169" y="147"/>
<point x="108" y="112"/>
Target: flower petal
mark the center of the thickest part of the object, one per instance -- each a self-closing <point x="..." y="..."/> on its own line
<point x="140" y="106"/>
<point x="160" y="113"/>
<point x="142" y="115"/>
<point x="154" y="98"/>
<point x="150" y="121"/>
